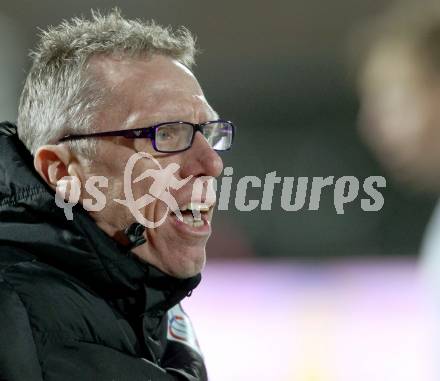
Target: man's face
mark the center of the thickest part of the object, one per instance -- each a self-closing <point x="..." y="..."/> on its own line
<point x="400" y="115"/>
<point x="144" y="92"/>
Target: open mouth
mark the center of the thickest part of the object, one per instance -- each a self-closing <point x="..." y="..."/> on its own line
<point x="194" y="213"/>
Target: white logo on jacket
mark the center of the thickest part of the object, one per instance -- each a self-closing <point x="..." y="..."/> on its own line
<point x="180" y="329"/>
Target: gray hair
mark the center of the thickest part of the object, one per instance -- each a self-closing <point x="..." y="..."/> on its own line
<point x="61" y="96"/>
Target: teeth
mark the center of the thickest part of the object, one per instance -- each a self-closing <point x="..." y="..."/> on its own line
<point x="189" y="220"/>
<point x="195" y="206"/>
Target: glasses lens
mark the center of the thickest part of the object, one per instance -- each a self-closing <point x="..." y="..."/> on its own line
<point x="219" y="135"/>
<point x="173" y="137"/>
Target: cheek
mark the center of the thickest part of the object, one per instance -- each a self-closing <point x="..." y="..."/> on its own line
<point x="116" y="189"/>
<point x="162" y="240"/>
<point x="139" y="188"/>
<point x="155" y="210"/>
<point x="417" y="124"/>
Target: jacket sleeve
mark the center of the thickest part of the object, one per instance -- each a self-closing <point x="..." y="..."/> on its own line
<point x="18" y="355"/>
<point x="183" y="356"/>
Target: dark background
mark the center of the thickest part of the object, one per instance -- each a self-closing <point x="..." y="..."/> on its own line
<point x="280" y="71"/>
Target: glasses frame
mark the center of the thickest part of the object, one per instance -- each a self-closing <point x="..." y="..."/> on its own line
<point x="150" y="133"/>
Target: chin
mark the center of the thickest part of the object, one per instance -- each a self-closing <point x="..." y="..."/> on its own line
<point x="182" y="264"/>
<point x="187" y="264"/>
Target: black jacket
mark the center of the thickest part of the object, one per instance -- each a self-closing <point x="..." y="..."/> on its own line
<point x="75" y="305"/>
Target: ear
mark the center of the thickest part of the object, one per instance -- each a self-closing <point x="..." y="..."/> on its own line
<point x="53" y="162"/>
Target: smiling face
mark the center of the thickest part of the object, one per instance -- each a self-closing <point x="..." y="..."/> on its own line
<point x="144" y="92"/>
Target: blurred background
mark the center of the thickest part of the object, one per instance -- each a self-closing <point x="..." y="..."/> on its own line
<point x="306" y="295"/>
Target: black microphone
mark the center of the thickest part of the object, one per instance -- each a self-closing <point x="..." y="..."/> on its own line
<point x="135" y="234"/>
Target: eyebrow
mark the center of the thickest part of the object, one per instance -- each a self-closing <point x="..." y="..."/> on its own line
<point x="163" y="119"/>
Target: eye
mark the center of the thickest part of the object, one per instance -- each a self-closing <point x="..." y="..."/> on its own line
<point x="164" y="134"/>
<point x="167" y="132"/>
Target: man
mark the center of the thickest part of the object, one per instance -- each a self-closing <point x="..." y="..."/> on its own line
<point x="96" y="297"/>
<point x="399" y="92"/>
<point x="399" y="83"/>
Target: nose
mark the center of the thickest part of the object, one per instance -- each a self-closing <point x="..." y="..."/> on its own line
<point x="201" y="159"/>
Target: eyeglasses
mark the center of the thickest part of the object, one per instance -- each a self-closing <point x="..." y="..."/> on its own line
<point x="174" y="136"/>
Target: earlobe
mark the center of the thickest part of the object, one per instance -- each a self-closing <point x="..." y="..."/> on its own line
<point x="52" y="162"/>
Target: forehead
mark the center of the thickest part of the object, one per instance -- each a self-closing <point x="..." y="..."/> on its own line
<point x="147" y="90"/>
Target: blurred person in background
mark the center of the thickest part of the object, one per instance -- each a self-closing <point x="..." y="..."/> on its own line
<point x="398" y="62"/>
<point x="97" y="296"/>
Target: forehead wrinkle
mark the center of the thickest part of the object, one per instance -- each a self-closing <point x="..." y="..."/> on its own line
<point x="163" y="109"/>
<point x="161" y="100"/>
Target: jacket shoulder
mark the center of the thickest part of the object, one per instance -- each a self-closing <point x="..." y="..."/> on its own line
<point x="60" y="304"/>
<point x="18" y="354"/>
<point x="10" y="255"/>
<point x="7" y="129"/>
